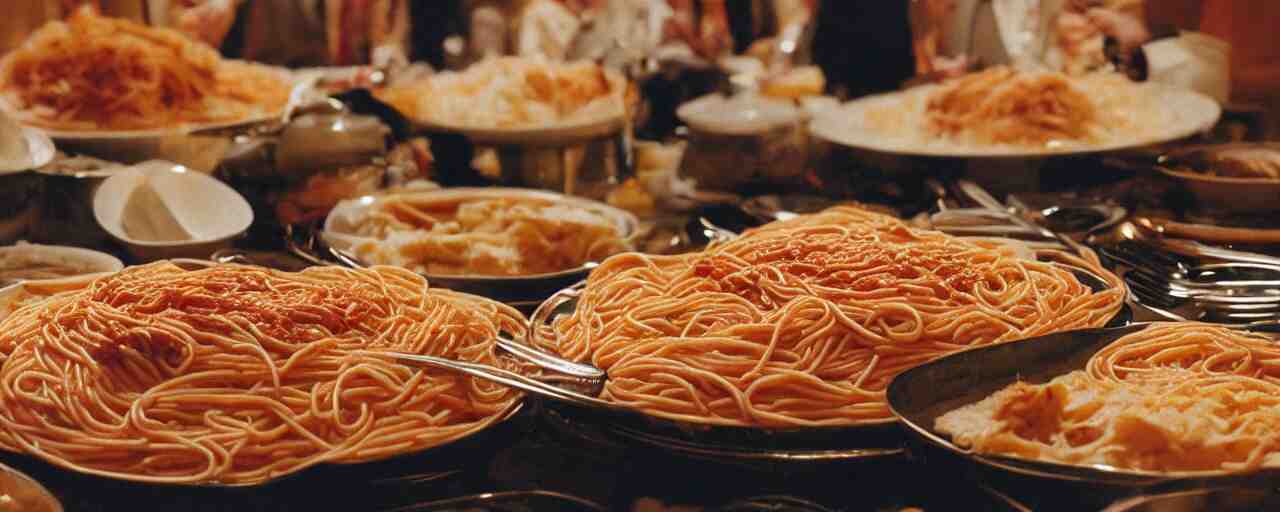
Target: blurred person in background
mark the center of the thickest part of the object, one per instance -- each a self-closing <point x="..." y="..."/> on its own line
<point x="864" y="47"/>
<point x="1249" y="26"/>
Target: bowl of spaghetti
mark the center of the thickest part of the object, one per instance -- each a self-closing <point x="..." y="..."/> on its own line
<point x="1003" y="112"/>
<point x="504" y="243"/>
<point x="233" y="375"/>
<point x="119" y="89"/>
<point x="799" y="325"/>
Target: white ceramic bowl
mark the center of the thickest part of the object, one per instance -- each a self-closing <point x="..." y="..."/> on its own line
<point x="209" y="210"/>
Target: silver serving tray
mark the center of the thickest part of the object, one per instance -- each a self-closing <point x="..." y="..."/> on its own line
<point x="855" y="442"/>
<point x="11" y="295"/>
<point x="920" y="395"/>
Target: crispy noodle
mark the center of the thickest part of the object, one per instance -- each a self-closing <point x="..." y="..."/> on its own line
<point x="237" y="374"/>
<point x="1172" y="397"/>
<point x="804" y="322"/>
<point x="508" y="92"/>
<point x="485" y="236"/>
<point x="98" y="73"/>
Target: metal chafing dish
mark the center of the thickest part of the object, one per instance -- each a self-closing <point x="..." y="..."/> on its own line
<point x="21" y="151"/>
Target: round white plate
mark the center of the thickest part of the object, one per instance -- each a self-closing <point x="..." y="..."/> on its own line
<point x="1193" y="112"/>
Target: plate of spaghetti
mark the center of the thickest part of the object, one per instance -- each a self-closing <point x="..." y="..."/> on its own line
<point x="235" y="375"/>
<point x="1003" y="112"/>
<point x="517" y="100"/>
<point x="1142" y="403"/>
<point x="800" y="324"/>
<point x="93" y="76"/>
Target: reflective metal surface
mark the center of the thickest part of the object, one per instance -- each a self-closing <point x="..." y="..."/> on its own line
<point x="920" y="395"/>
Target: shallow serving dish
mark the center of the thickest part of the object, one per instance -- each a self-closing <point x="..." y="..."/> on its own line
<point x="18" y="295"/>
<point x="82" y="261"/>
<point x="22" y="493"/>
<point x="198" y="146"/>
<point x="920" y="395"/>
<point x="211" y="212"/>
<point x="338" y="227"/>
<point x="1188" y="167"/>
<point x="863" y="441"/>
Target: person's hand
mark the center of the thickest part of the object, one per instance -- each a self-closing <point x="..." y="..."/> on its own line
<point x="944" y="68"/>
<point x="208" y="22"/>
<point x="1128" y="31"/>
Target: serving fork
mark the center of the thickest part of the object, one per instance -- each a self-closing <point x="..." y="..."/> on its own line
<point x="1176" y="286"/>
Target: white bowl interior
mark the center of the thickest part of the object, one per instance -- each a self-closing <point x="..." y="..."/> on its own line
<point x="206" y="208"/>
<point x="743" y="114"/>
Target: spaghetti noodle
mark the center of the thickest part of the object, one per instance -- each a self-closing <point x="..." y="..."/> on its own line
<point x="237" y="375"/>
<point x="1004" y="106"/>
<point x="1172" y="397"/>
<point x="98" y="73"/>
<point x="804" y="322"/>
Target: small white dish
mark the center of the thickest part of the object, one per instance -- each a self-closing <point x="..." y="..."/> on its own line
<point x="39" y="152"/>
<point x="206" y="211"/>
<point x="742" y="114"/>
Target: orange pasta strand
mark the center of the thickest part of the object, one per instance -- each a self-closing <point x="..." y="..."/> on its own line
<point x="238" y="374"/>
<point x="804" y="322"/>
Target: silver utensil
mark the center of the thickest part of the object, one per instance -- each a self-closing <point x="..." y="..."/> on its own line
<point x="1228" y="292"/>
<point x="1148" y="260"/>
<point x="587" y="382"/>
<point x="507" y="500"/>
<point x="1145" y="232"/>
<point x="1015" y="215"/>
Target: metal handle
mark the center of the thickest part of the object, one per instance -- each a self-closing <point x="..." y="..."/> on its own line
<point x="550" y="361"/>
<point x="1266" y="326"/>
<point x="503" y="377"/>
<point x="1015" y="215"/>
<point x="542" y="315"/>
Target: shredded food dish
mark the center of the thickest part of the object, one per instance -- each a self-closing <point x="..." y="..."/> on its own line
<point x="804" y="322"/>
<point x="1001" y="106"/>
<point x="489" y="236"/>
<point x="1172" y="397"/>
<point x="510" y="92"/>
<point x="237" y="375"/>
<point x="95" y="73"/>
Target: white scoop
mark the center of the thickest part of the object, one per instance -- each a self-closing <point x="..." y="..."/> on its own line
<point x="161" y="210"/>
<point x="22" y="149"/>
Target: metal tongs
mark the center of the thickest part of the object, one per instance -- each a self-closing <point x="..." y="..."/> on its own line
<point x="569" y="382"/>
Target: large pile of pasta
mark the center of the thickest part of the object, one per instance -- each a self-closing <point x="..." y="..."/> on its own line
<point x="237" y="374"/>
<point x="804" y="322"/>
